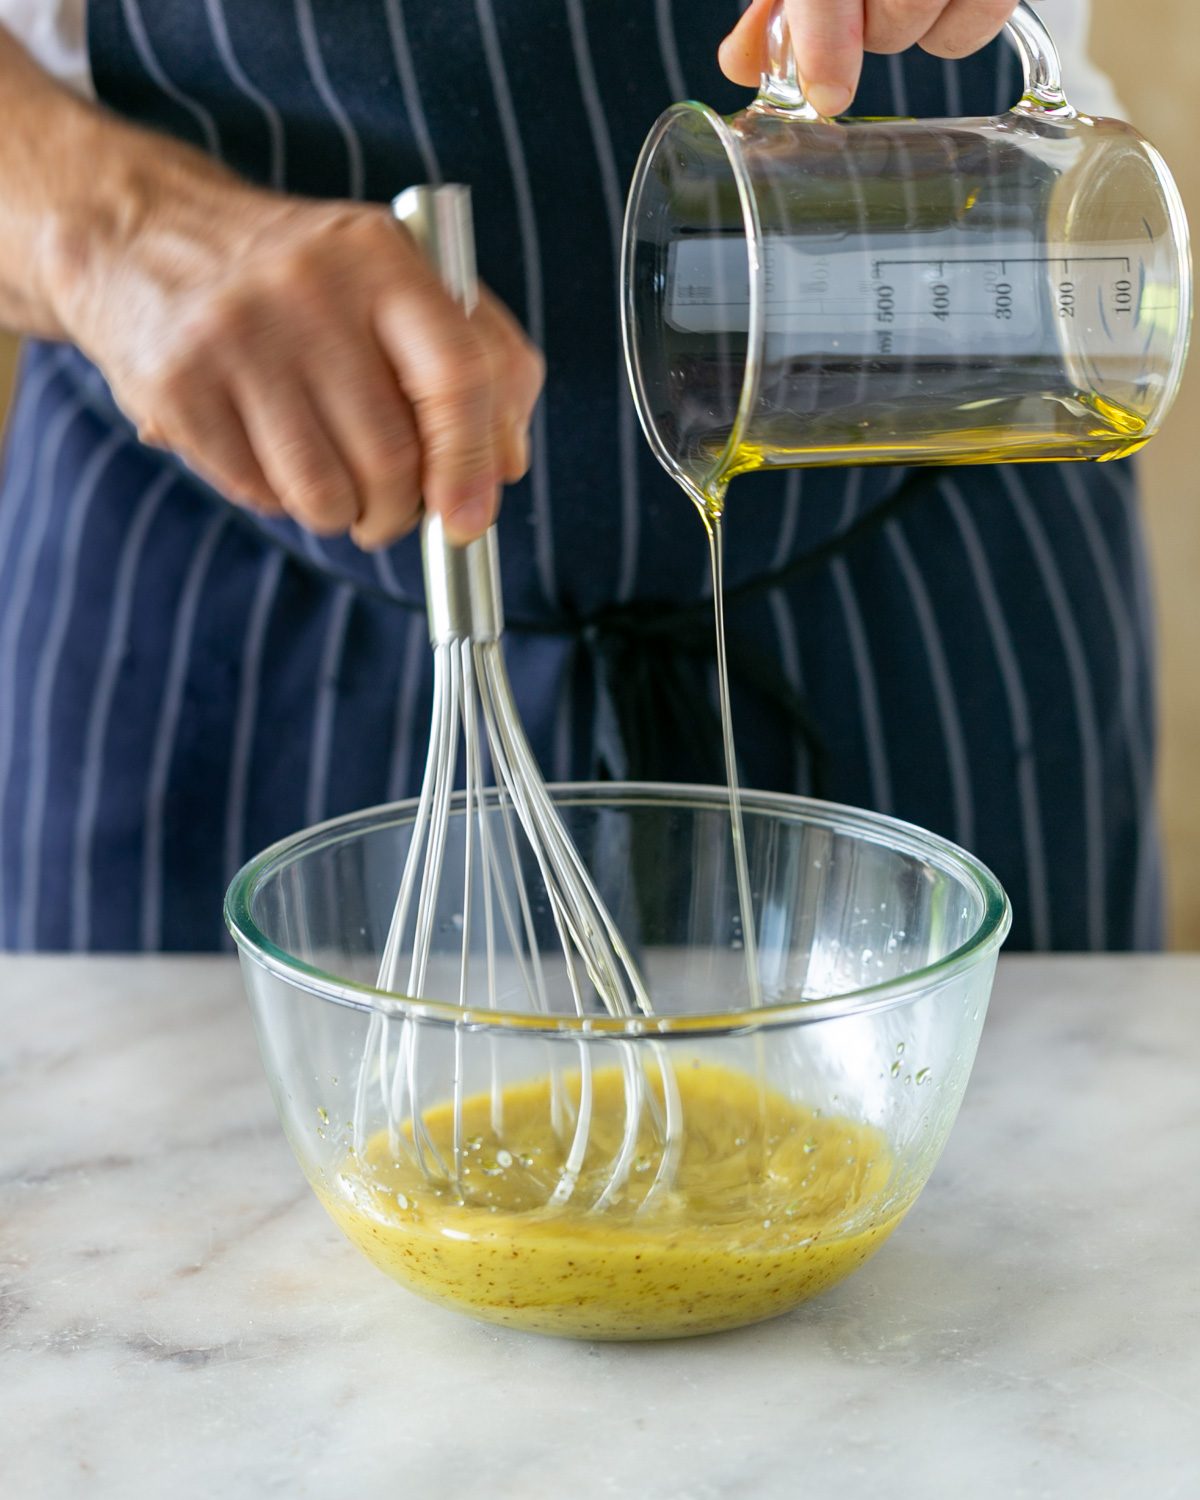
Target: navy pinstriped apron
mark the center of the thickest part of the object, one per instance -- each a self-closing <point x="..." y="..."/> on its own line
<point x="182" y="684"/>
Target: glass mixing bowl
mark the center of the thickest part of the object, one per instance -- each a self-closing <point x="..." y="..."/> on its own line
<point x="737" y="1160"/>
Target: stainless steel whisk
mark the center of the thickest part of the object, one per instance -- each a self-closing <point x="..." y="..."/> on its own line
<point x="475" y="719"/>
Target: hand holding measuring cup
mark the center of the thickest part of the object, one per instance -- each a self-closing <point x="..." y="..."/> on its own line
<point x="799" y="290"/>
<point x="830" y="36"/>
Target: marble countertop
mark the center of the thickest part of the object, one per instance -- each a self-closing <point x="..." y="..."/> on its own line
<point x="179" y="1318"/>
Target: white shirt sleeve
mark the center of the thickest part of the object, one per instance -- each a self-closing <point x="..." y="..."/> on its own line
<point x="55" y="33"/>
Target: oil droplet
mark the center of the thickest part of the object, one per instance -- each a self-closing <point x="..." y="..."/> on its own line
<point x="923" y="1075"/>
<point x="322" y="1114"/>
<point x="504" y="1158"/>
<point x="641" y="1164"/>
<point x="401" y="1201"/>
<point x="895" y="1070"/>
<point x="810" y="1146"/>
<point x="900" y="1049"/>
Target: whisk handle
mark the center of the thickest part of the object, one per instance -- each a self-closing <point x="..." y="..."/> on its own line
<point x="439" y="219"/>
<point x="462" y="584"/>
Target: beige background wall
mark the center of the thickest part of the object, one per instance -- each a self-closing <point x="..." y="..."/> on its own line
<point x="1152" y="50"/>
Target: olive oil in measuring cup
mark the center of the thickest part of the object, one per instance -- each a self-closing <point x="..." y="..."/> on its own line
<point x="799" y="291"/>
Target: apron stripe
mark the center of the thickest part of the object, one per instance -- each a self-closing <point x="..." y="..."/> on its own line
<point x="628" y="432"/>
<point x="789" y="518"/>
<point x="404" y="734"/>
<point x="237" y="76"/>
<point x="167" y="729"/>
<point x="141" y="41"/>
<point x="100" y="709"/>
<point x="249" y="694"/>
<point x="325" y="707"/>
<point x="895" y="67"/>
<point x="1138" y="755"/>
<point x="23" y="450"/>
<point x="1024" y="749"/>
<point x="950" y="83"/>
<point x="46" y="678"/>
<point x="943" y="687"/>
<point x="563" y="757"/>
<point x="315" y="63"/>
<point x="1082" y="698"/>
<point x="787" y="638"/>
<point x="1149" y="882"/>
<point x="535" y="317"/>
<point x="414" y="106"/>
<point x="868" y="691"/>
<point x="15" y="623"/>
<point x="668" y="49"/>
<point x="1007" y="90"/>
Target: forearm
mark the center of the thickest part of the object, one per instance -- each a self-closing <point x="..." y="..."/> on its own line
<point x="73" y="180"/>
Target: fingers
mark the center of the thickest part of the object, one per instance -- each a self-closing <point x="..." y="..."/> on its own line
<point x="743" y="53"/>
<point x="896" y="25"/>
<point x="445" y="370"/>
<point x="371" y="422"/>
<point x="202" y="425"/>
<point x="472" y="384"/>
<point x="965" y="26"/>
<point x="830" y="36"/>
<point x="323" y="370"/>
<point x="520" y="371"/>
<point x="299" y="458"/>
<point x="827" y="39"/>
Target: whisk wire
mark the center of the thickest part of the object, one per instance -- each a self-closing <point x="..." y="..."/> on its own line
<point x="512" y="836"/>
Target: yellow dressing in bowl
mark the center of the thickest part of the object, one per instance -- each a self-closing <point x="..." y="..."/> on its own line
<point x="771" y="1203"/>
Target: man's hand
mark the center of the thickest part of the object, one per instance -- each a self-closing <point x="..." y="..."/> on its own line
<point x="829" y="38"/>
<point x="300" y="355"/>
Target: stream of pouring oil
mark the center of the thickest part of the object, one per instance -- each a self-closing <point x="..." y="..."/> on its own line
<point x="711" y="505"/>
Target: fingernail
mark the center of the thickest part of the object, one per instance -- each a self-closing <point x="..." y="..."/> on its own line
<point x="828" y="99"/>
<point x="470" y="518"/>
<point x="520" y="442"/>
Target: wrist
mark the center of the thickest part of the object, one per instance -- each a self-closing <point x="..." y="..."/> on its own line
<point x="128" y="206"/>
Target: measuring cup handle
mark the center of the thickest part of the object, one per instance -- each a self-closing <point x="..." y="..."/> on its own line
<point x="1039" y="58"/>
<point x="782" y="92"/>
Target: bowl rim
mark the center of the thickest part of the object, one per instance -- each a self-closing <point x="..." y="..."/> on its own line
<point x="909" y="838"/>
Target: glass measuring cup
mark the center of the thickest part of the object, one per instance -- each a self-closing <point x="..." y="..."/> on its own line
<point x="804" y="291"/>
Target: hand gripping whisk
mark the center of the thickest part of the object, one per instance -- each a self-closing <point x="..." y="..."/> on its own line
<point x="505" y="848"/>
